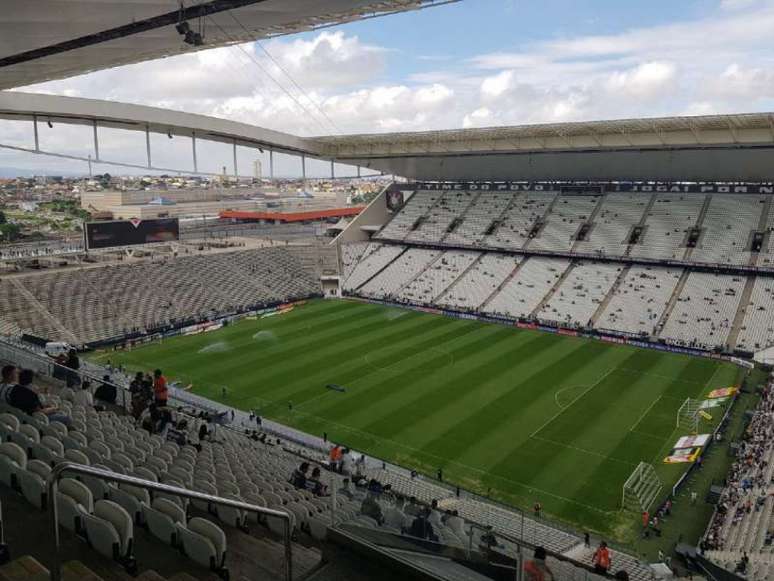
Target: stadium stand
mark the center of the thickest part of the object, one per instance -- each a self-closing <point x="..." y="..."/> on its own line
<point x="436" y="279"/>
<point x="578" y="297"/>
<point x="562" y="223"/>
<point x="667" y="225"/>
<point x="441" y="217"/>
<point x="481" y="214"/>
<point x="727" y="228"/>
<point x="524" y="212"/>
<point x="96" y="304"/>
<point x="374" y="259"/>
<point x="521" y="295"/>
<point x="739" y="537"/>
<point x="757" y="326"/>
<point x="639" y="302"/>
<point x="414" y="211"/>
<point x="704" y="311"/>
<point x="617" y="215"/>
<point x="480" y="282"/>
<point x="659" y="302"/>
<point x="408" y="266"/>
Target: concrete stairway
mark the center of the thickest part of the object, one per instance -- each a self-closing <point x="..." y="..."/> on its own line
<point x="610" y="294"/>
<point x="744" y="301"/>
<point x="547" y="297"/>
<point x="672" y="300"/>
<point x="508" y="279"/>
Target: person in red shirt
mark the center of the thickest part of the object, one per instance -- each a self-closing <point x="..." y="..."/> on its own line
<point x="160" y="391"/>
<point x="601" y="559"/>
<point x="535" y="569"/>
<point x="645" y="519"/>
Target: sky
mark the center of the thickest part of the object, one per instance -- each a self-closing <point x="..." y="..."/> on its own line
<point x="475" y="63"/>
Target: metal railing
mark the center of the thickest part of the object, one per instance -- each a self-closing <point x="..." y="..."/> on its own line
<point x="52" y="485"/>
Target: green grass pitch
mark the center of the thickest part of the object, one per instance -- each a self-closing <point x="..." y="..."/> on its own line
<point x="520" y="415"/>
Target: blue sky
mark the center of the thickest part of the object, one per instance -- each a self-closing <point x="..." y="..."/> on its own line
<point x="470" y="64"/>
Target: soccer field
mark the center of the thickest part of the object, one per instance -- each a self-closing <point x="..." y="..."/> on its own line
<point x="521" y="415"/>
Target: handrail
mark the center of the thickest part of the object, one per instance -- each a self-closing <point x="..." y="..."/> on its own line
<point x="52" y="485"/>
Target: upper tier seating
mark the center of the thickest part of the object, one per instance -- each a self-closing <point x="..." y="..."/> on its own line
<point x="517" y="221"/>
<point x="613" y="223"/>
<point x="414" y="208"/>
<point x="667" y="225"/>
<point x="480" y="215"/>
<point x="440" y="217"/>
<point x="567" y="215"/>
<point x="727" y="228"/>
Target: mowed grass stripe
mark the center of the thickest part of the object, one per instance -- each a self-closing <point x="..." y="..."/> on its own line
<point x="429" y="391"/>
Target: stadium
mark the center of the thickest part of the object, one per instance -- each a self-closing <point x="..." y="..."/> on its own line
<point x="537" y="349"/>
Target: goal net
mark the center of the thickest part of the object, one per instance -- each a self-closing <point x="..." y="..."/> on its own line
<point x="688" y="415"/>
<point x="642" y="488"/>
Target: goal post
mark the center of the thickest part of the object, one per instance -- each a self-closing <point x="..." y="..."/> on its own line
<point x="642" y="488"/>
<point x="688" y="415"/>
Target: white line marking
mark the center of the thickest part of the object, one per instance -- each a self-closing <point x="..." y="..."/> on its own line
<point x="569" y="405"/>
<point x="645" y="413"/>
<point x="590" y="452"/>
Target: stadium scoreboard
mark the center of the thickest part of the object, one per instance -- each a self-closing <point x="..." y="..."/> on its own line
<point x="114" y="233"/>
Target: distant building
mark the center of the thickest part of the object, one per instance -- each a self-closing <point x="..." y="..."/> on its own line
<point x="257" y="170"/>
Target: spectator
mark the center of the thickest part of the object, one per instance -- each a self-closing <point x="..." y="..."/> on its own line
<point x="142" y="395"/>
<point x="160" y="391"/>
<point x="8" y="379"/>
<point x="601" y="559"/>
<point x="315" y="484"/>
<point x="335" y="457"/>
<point x="24" y="397"/>
<point x="371" y="508"/>
<point x="535" y="569"/>
<point x="106" y="393"/>
<point x="298" y="478"/>
<point x="73" y="364"/>
<point x="346" y="461"/>
<point x="83" y="396"/>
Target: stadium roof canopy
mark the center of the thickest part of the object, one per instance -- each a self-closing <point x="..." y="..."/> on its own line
<point x="42" y="40"/>
<point x="730" y="148"/>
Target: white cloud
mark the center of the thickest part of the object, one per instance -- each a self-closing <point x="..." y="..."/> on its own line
<point x="494" y="86"/>
<point x="645" y="81"/>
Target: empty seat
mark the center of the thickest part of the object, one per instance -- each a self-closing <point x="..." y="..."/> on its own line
<point x="73" y="500"/>
<point x="110" y="530"/>
<point x="162" y="517"/>
<point x="12" y="459"/>
<point x="32" y="482"/>
<point x="204" y="543"/>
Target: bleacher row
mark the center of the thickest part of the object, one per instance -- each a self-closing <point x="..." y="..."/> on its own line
<point x="592" y="224"/>
<point x="682" y="307"/>
<point x="101" y="303"/>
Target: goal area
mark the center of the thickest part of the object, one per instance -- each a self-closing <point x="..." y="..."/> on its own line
<point x="688" y="415"/>
<point x="641" y="489"/>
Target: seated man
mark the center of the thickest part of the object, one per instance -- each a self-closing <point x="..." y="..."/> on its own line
<point x="7" y="380"/>
<point x="24" y="397"/>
